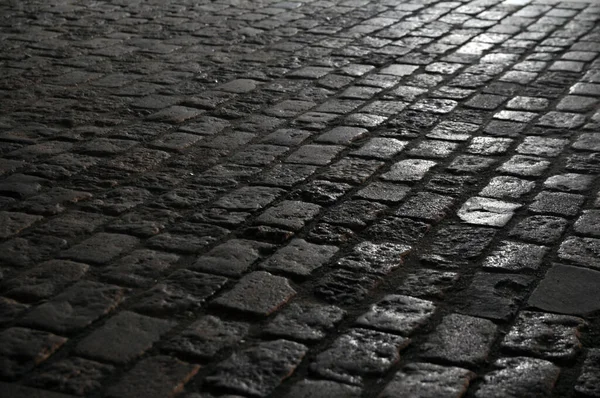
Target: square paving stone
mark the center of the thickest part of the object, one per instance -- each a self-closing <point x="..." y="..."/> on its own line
<point x="564" y="120"/>
<point x="258" y="293"/>
<point x="426" y="380"/>
<point x="10" y="310"/>
<point x="581" y="251"/>
<point x="489" y="145"/>
<point x="75" y="308"/>
<point x="397" y="314"/>
<point x="557" y="203"/>
<point x="547" y="336"/>
<point x="567" y="290"/>
<point x="73" y="375"/>
<point x="232" y="258"/>
<point x="183" y="290"/>
<point x="515" y="256"/>
<point x="427" y="283"/>
<point x="325" y="388"/>
<point x="299" y="258"/>
<point x="375" y="258"/>
<point x="287" y="175"/>
<point x="380" y="148"/>
<point x="18" y="391"/>
<point x="460" y="339"/>
<point x="140" y="268"/>
<point x="569" y="182"/>
<point x="383" y="192"/>
<point x="154" y="377"/>
<point x="321" y="191"/>
<point x="101" y="248"/>
<point x="433" y="149"/>
<point x="342" y="135"/>
<point x="206" y="337"/>
<point x="258" y="370"/>
<point x="589" y="223"/>
<point x="484" y="211"/>
<point x="354" y="213"/>
<point x="494" y="296"/>
<point x="346" y="287"/>
<point x="426" y="206"/>
<point x="408" y="170"/>
<point x="305" y="322"/>
<point x="350" y="357"/>
<point x="461" y="241"/>
<point x="519" y="377"/>
<point x="318" y="155"/>
<point x="539" y="229"/>
<point x="123" y="337"/>
<point x="527" y="166"/>
<point x="22" y="349"/>
<point x="398" y="230"/>
<point x="542" y="146"/>
<point x="507" y="187"/>
<point x="470" y="164"/>
<point x="588" y="382"/>
<point x="588" y="142"/>
<point x="353" y="171"/>
<point x="289" y="214"/>
<point x="453" y="131"/>
<point x="249" y="198"/>
<point x="11" y="223"/>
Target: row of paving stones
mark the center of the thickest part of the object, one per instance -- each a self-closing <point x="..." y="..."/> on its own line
<point x="421" y="225"/>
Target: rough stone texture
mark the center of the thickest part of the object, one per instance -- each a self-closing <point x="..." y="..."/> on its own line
<point x="557" y="203"/>
<point x="314" y="388"/>
<point x="258" y="293"/>
<point x="258" y="370"/>
<point x="539" y="229"/>
<point x="289" y="214"/>
<point x="548" y="336"/>
<point x="231" y="258"/>
<point x="206" y="337"/>
<point x="589" y="223"/>
<point x="483" y="211"/>
<point x="140" y="268"/>
<point x="11" y="223"/>
<point x="299" y="258"/>
<point x="567" y="290"/>
<point x="306" y="322"/>
<point x="101" y="248"/>
<point x="346" y="287"/>
<point x="397" y="314"/>
<point x="350" y="357"/>
<point x="515" y="256"/>
<point x="587" y="382"/>
<point x="581" y="251"/>
<point x="21" y="349"/>
<point x="519" y="377"/>
<point x="426" y="380"/>
<point x="18" y="391"/>
<point x="123" y="337"/>
<point x="427" y="283"/>
<point x="457" y="241"/>
<point x="460" y="339"/>
<point x="375" y="258"/>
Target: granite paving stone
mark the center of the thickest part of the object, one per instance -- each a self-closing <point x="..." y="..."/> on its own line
<point x="306" y="322"/>
<point x="311" y="388"/>
<point x="580" y="251"/>
<point x="397" y="314"/>
<point x="587" y="382"/>
<point x="299" y="258"/>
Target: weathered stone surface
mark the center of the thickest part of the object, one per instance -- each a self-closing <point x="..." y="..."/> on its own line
<point x="258" y="293"/>
<point x="74" y="375"/>
<point x="397" y="229"/>
<point x="258" y="370"/>
<point x="483" y="211"/>
<point x="314" y="388"/>
<point x="43" y="281"/>
<point x="427" y="283"/>
<point x="154" y="377"/>
<point x="346" y="287"/>
<point x="350" y="357"/>
<point x="232" y="258"/>
<point x="299" y="258"/>
<point x="206" y="337"/>
<point x="375" y="258"/>
<point x="75" y="308"/>
<point x="305" y="322"/>
<point x="526" y="166"/>
<point x="10" y="309"/>
<point x="426" y="206"/>
<point x="397" y="314"/>
<point x="507" y="187"/>
<point x="183" y="290"/>
<point x="383" y="192"/>
<point x="588" y="382"/>
<point x="514" y="256"/>
<point x="342" y="135"/>
<point x="21" y="349"/>
<point x="539" y="229"/>
<point x="458" y="241"/>
<point x="519" y="377"/>
<point x="557" y="203"/>
<point x="100" y="248"/>
<point x="249" y="198"/>
<point x="408" y="170"/>
<point x="567" y="290"/>
<point x="426" y="380"/>
<point x="322" y="192"/>
<point x="140" y="268"/>
<point x="11" y="223"/>
<point x="589" y="223"/>
<point x="460" y="339"/>
<point x="353" y="171"/>
<point x="318" y="155"/>
<point x="289" y="214"/>
<point x="354" y="213"/>
<point x="581" y="251"/>
<point x="123" y="337"/>
<point x="547" y="336"/>
<point x="18" y="391"/>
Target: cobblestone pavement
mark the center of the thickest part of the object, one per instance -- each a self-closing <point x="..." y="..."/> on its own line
<point x="329" y="198"/>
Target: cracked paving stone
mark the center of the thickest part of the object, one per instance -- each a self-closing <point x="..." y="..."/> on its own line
<point x="43" y="281"/>
<point x="75" y="308"/>
<point x="461" y="340"/>
<point x="494" y="296"/>
<point x="123" y="337"/>
<point x="427" y="206"/>
<point x="289" y="214"/>
<point x="567" y="290"/>
<point x="357" y="354"/>
<point x="526" y="166"/>
<point x="140" y="268"/>
<point x="305" y="322"/>
<point x="425" y="283"/>
<point x="588" y="382"/>
<point x="519" y="377"/>
<point x="588" y="223"/>
<point x="375" y="258"/>
<point x="557" y="203"/>
<point x="154" y="377"/>
<point x="515" y="256"/>
<point x="317" y="155"/>
<point x="408" y="170"/>
<point x="547" y="336"/>
<point x="232" y="258"/>
<point x="346" y="287"/>
<point x="380" y="148"/>
<point x="539" y="229"/>
<point x="352" y="171"/>
<point x="100" y="248"/>
<point x="206" y="337"/>
<point x="588" y="142"/>
<point x="484" y="211"/>
<point x="249" y="198"/>
<point x="383" y="192"/>
<point x="258" y="370"/>
<point x="354" y="213"/>
<point x="581" y="251"/>
<point x="22" y="349"/>
<point x="569" y="182"/>
<point x="397" y="314"/>
<point x="11" y="223"/>
<point x="426" y="380"/>
<point x="73" y="375"/>
<point x="258" y="293"/>
<point x="507" y="187"/>
<point x="299" y="258"/>
<point x="325" y="388"/>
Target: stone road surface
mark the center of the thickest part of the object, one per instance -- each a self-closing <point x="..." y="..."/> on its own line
<point x="328" y="198"/>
